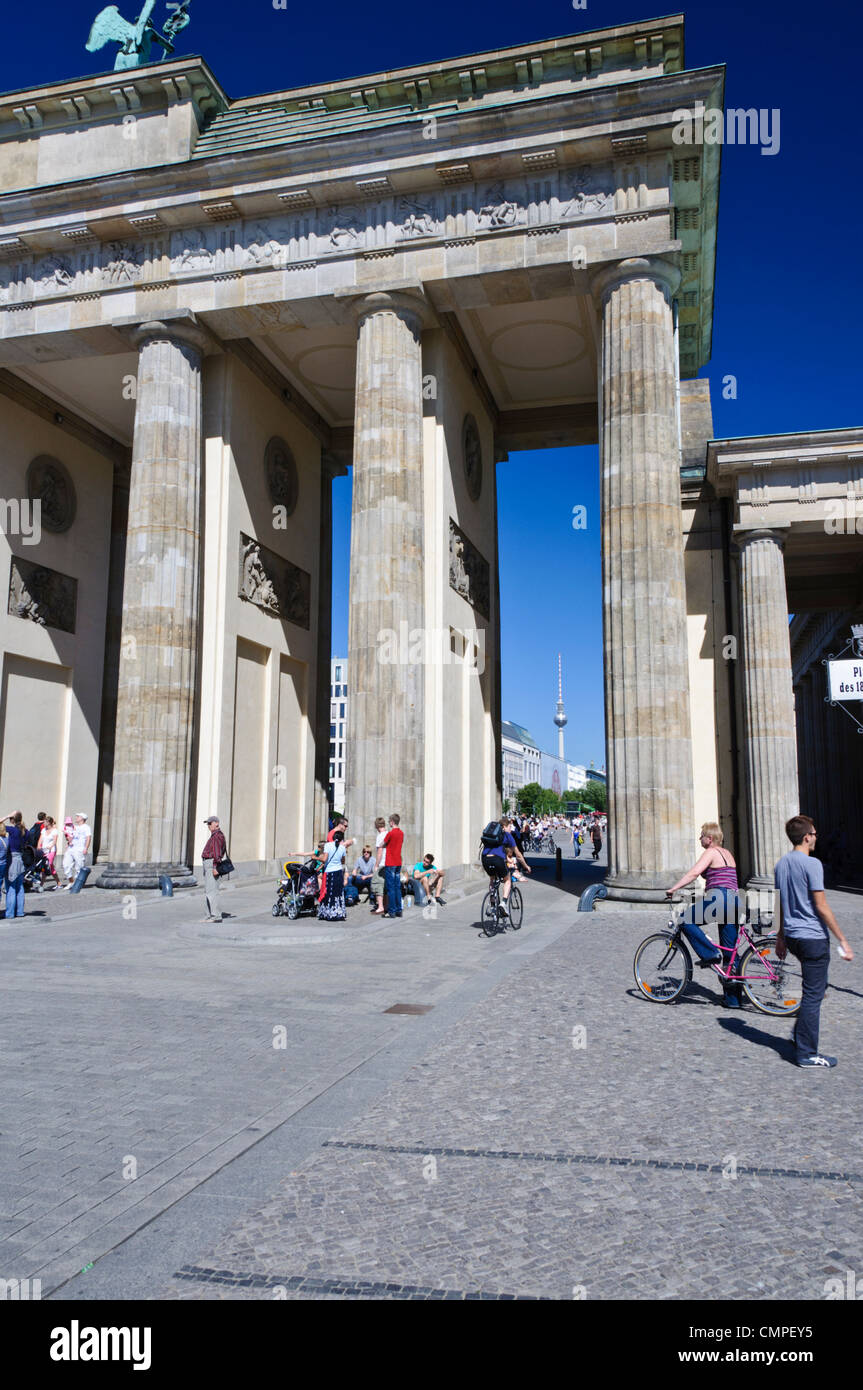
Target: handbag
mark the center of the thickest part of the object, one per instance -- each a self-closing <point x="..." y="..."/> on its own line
<point x="223" y="867"/>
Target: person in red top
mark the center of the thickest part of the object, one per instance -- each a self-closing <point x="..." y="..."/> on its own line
<point x="393" y="841"/>
<point x="339" y="824"/>
<point x="212" y="854"/>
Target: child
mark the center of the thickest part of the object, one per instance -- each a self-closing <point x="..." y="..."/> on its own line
<point x="512" y="865"/>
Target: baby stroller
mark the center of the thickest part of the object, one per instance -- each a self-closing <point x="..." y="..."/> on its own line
<point x="298" y="890"/>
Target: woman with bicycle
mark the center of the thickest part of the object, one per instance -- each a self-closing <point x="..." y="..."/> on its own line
<point x="719" y="904"/>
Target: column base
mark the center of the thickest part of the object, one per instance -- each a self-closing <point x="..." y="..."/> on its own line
<point x="640" y="888"/>
<point x="145" y="876"/>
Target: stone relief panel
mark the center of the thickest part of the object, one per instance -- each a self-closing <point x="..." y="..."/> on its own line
<point x="469" y="572"/>
<point x="281" y="241"/>
<point x="417" y="217"/>
<point x="273" y="583"/>
<point x="282" y="477"/>
<point x="50" y="483"/>
<point x="587" y="196"/>
<point x="191" y="249"/>
<point x="52" y="273"/>
<point x="471" y="446"/>
<point x="41" y="595"/>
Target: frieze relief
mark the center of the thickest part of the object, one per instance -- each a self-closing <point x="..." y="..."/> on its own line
<point x="310" y="234"/>
<point x="42" y="595"/>
<point x="274" y="584"/>
<point x="469" y="571"/>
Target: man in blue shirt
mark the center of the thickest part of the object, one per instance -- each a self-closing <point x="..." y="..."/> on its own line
<point x="804" y="923"/>
<point x="494" y="862"/>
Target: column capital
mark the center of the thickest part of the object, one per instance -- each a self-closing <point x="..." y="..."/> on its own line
<point x="743" y="537"/>
<point x="182" y="328"/>
<point x="610" y="277"/>
<point x="409" y="302"/>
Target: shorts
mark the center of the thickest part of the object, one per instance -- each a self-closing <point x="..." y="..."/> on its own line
<point x="494" y="865"/>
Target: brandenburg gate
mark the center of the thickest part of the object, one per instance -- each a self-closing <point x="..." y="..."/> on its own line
<point x="210" y="307"/>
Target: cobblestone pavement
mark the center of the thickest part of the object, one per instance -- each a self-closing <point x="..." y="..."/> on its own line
<point x="142" y="1053"/>
<point x="543" y="1132"/>
<point x="678" y="1153"/>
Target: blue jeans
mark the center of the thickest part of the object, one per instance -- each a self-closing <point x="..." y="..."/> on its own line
<point x="721" y="906"/>
<point x="15" y="887"/>
<point x="814" y="958"/>
<point x="393" y="882"/>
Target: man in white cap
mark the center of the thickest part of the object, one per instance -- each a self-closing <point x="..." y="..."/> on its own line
<point x="212" y="854"/>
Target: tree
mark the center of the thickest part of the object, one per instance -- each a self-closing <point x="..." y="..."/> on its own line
<point x="529" y="798"/>
<point x="595" y="795"/>
<point x="505" y="806"/>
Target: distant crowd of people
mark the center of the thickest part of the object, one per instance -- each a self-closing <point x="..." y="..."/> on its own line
<point x="534" y="832"/>
<point x="29" y="855"/>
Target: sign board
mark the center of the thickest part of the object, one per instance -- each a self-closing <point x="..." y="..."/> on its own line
<point x="845" y="679"/>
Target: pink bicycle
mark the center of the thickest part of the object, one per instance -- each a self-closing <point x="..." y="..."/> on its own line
<point x="663" y="969"/>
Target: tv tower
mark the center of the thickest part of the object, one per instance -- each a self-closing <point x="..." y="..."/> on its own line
<point x="560" y="717"/>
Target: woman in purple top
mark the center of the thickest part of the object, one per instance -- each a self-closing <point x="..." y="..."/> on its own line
<point x="719" y="904"/>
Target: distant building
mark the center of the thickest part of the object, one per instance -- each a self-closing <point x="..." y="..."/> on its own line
<point x="521" y="759"/>
<point x="524" y="762"/>
<point x="580" y="776"/>
<point x="338" y="730"/>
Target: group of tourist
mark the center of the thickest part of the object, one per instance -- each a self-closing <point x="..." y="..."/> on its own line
<point x="378" y="871"/>
<point x="28" y="855"/>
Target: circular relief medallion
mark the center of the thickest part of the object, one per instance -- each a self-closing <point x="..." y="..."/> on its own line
<point x="472" y="454"/>
<point x="50" y="483"/>
<point x="282" y="478"/>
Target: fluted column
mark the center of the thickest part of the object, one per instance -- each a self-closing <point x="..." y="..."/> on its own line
<point x="652" y="838"/>
<point x="771" y="735"/>
<point x="817" y="753"/>
<point x="386" y="672"/>
<point x="803" y="717"/>
<point x="150" y="790"/>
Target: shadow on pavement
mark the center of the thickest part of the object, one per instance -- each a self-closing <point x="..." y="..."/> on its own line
<point x="578" y="874"/>
<point x="783" y="1046"/>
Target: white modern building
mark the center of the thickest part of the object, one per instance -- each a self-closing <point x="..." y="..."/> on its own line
<point x="578" y="776"/>
<point x="521" y="759"/>
<point x="338" y="730"/>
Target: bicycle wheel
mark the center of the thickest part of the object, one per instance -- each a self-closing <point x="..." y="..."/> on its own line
<point x="662" y="968"/>
<point x="516" y="909"/>
<point x="489" y="918"/>
<point x="774" y="986"/>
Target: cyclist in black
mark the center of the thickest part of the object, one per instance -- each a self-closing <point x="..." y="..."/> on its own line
<point x="493" y="859"/>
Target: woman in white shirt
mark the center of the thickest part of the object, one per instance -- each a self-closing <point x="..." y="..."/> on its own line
<point x="48" y="845"/>
<point x="331" y="907"/>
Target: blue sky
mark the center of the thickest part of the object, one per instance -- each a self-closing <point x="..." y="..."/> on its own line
<point x="788" y="282"/>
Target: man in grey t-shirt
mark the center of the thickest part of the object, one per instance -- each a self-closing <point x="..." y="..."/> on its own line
<point x="805" y="922"/>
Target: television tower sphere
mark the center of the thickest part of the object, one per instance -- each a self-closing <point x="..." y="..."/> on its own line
<point x="560" y="718"/>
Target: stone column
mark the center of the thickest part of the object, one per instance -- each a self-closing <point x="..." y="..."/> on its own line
<point x="150" y="792"/>
<point x="652" y="837"/>
<point x="386" y="672"/>
<point x="768" y="699"/>
<point x="330" y="469"/>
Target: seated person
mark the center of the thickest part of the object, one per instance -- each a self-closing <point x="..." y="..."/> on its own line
<point x="361" y="877"/>
<point x="720" y="904"/>
<point x="494" y="859"/>
<point x="427" y="881"/>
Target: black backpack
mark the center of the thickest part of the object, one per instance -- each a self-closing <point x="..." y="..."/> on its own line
<point x="492" y="836"/>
